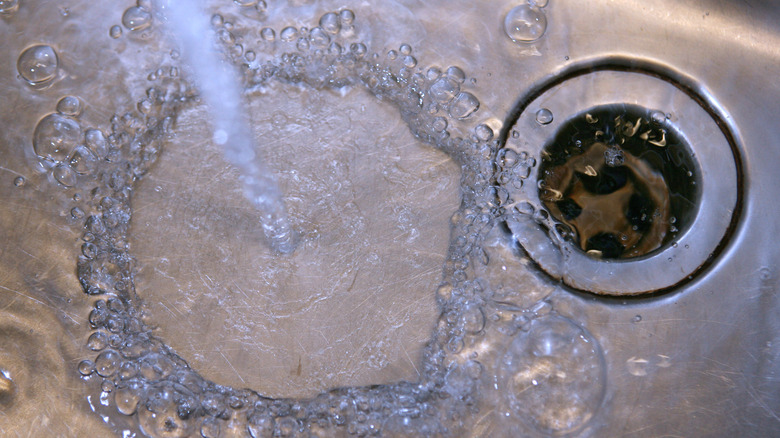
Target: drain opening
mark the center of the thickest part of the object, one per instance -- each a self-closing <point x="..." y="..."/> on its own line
<point x="619" y="181"/>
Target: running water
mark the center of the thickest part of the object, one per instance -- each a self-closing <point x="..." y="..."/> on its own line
<point x="219" y="87"/>
<point x="499" y="360"/>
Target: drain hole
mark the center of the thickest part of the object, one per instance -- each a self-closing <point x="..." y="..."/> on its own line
<point x="620" y="181"/>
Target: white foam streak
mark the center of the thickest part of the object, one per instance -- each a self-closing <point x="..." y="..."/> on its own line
<point x="219" y="87"/>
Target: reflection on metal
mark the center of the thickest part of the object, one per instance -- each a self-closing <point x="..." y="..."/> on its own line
<point x="622" y="193"/>
<point x="706" y="212"/>
<point x="701" y="361"/>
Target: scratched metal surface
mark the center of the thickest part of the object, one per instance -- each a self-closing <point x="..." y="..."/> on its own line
<point x="701" y="361"/>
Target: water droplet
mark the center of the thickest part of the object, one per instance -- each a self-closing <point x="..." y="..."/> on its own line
<point x="64" y="175"/>
<point x="433" y="73"/>
<point x="555" y="375"/>
<point x="457" y="74"/>
<point x="358" y="49"/>
<point x="136" y="18"/>
<point x="83" y="161"/>
<point x="464" y="105"/>
<point x="115" y="31"/>
<point x="158" y="414"/>
<point x="86" y="367"/>
<point x="347" y="16"/>
<point x="19" y="181"/>
<point x="405" y="49"/>
<point x="473" y="319"/>
<point x="268" y="34"/>
<point x="69" y="106"/>
<point x="637" y="318"/>
<point x="107" y="385"/>
<point x="38" y="64"/>
<point x="288" y="33"/>
<point x="303" y="44"/>
<point x="330" y="23"/>
<point x="76" y="213"/>
<point x="525" y="23"/>
<point x="226" y="36"/>
<point x="96" y="142"/>
<point x="544" y="116"/>
<point x="107" y="363"/>
<point x="658" y="117"/>
<point x="318" y="37"/>
<point x="97" y="341"/>
<point x="8" y="7"/>
<point x="439" y="124"/>
<point x="245" y="2"/>
<point x="410" y="61"/>
<point x="127" y="397"/>
<point x="483" y="132"/>
<point x="55" y="137"/>
<point x="444" y="90"/>
<point x="209" y="428"/>
<point x="217" y="20"/>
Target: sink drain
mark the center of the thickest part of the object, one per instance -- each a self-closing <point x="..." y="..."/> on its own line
<point x="634" y="185"/>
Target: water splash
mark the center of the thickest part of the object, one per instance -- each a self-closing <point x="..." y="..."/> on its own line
<point x="220" y="89"/>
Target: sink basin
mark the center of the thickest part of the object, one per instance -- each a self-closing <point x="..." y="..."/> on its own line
<point x="432" y="292"/>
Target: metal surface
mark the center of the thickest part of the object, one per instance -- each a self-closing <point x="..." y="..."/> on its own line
<point x="717" y="207"/>
<point x="701" y="360"/>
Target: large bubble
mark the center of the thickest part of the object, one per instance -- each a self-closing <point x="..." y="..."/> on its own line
<point x="555" y="375"/>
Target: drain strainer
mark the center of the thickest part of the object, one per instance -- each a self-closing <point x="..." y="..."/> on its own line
<point x="633" y="184"/>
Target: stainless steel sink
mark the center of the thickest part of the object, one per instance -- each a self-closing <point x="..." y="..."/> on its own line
<point x="696" y="355"/>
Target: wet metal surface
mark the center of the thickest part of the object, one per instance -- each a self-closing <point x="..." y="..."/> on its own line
<point x="702" y="359"/>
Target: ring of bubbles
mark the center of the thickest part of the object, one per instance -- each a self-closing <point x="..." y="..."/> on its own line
<point x="140" y="384"/>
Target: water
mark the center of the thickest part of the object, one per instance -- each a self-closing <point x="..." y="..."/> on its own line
<point x="622" y="179"/>
<point x="526" y="23"/>
<point x="38" y="64"/>
<point x="485" y="328"/>
<point x="219" y="87"/>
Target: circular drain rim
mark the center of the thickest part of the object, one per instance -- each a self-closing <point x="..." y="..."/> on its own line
<point x="721" y="188"/>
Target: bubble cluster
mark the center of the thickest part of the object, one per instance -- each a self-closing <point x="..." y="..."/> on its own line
<point x="140" y="381"/>
<point x="38" y="64"/>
